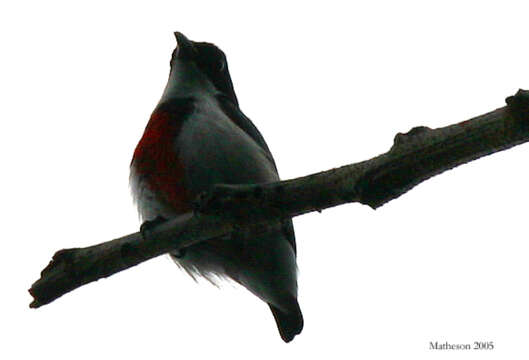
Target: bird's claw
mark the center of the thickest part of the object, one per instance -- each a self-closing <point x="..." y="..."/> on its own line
<point x="148" y="225"/>
<point x="179" y="253"/>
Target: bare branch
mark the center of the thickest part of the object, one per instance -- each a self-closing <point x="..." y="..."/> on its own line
<point x="72" y="268"/>
<point x="414" y="157"/>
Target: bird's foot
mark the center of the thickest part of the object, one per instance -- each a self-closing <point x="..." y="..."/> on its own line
<point x="180" y="253"/>
<point x="148" y="225"/>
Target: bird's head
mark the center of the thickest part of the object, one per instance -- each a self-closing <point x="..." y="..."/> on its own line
<point x="194" y="63"/>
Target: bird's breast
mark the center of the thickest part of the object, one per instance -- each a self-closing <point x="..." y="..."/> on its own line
<point x="187" y="149"/>
<point x="157" y="172"/>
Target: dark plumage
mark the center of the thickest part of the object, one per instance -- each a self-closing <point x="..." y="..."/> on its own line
<point x="198" y="136"/>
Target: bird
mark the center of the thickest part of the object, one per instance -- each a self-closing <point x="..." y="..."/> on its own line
<point x="197" y="136"/>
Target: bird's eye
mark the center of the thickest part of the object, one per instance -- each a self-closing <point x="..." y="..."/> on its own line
<point x="221" y="65"/>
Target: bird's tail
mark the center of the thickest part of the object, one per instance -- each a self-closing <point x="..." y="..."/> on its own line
<point x="289" y="320"/>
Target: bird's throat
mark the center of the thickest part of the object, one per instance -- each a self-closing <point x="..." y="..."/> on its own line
<point x="185" y="81"/>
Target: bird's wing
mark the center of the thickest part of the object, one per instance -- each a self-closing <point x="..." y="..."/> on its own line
<point x="288" y="230"/>
<point x="243" y="122"/>
<point x="236" y="115"/>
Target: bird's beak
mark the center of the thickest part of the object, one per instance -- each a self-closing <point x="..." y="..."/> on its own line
<point x="185" y="47"/>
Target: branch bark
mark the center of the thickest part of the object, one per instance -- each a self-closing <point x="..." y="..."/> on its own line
<point x="414" y="157"/>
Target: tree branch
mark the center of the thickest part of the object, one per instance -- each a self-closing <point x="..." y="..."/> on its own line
<point x="414" y="157"/>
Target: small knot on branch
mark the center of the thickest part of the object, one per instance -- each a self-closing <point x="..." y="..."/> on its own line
<point x="401" y="139"/>
<point x="518" y="104"/>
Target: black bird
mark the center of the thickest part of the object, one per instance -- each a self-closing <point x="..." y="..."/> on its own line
<point x="197" y="136"/>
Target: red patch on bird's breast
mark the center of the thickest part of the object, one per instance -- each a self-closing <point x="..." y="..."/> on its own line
<point x="156" y="161"/>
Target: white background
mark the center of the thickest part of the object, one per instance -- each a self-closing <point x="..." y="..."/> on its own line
<point x="327" y="85"/>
